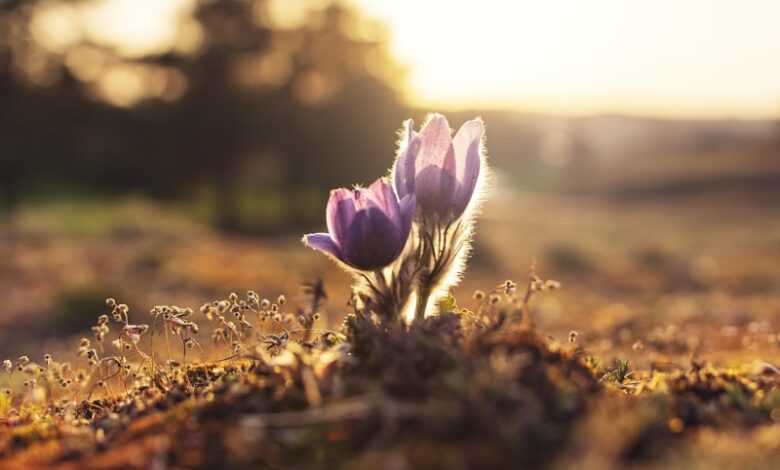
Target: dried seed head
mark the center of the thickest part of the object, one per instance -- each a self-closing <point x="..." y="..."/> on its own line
<point x="8" y="365"/>
<point x="495" y="299"/>
<point x="233" y="297"/>
<point x="111" y="303"/>
<point x="84" y="343"/>
<point x="47" y="359"/>
<point x="316" y="316"/>
<point x="274" y="308"/>
<point x="24" y="360"/>
<point x="509" y="287"/>
<point x="479" y="295"/>
<point x="281" y="300"/>
<point x="265" y="304"/>
<point x="572" y="336"/>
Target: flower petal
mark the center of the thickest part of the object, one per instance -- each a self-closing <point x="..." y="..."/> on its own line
<point x="467" y="144"/>
<point x="322" y="242"/>
<point x="435" y="190"/>
<point x="403" y="169"/>
<point x="436" y="143"/>
<point x="381" y="194"/>
<point x="435" y="167"/>
<point x="373" y="241"/>
<point x="340" y="212"/>
<point x="407" y="206"/>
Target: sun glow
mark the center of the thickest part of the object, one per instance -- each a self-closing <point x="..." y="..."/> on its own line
<point x="699" y="57"/>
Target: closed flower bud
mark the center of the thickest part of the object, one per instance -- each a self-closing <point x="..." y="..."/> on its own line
<point x="441" y="170"/>
<point x="367" y="228"/>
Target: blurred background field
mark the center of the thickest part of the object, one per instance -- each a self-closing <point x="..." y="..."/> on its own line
<point x="173" y="151"/>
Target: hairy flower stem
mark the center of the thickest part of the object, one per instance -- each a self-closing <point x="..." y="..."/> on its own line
<point x="440" y="254"/>
<point x="387" y="291"/>
<point x="423" y="297"/>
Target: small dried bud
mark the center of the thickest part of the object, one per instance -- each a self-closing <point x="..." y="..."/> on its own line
<point x="479" y="295"/>
<point x="84" y="343"/>
<point x="24" y="360"/>
<point x="47" y="359"/>
<point x="8" y="365"/>
<point x="281" y="300"/>
<point x="316" y="316"/>
<point x="495" y="299"/>
<point x="265" y="304"/>
<point x="111" y="303"/>
<point x="233" y="297"/>
<point x="509" y="287"/>
<point x="572" y="336"/>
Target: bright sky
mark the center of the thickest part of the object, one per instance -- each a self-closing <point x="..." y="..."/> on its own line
<point x="663" y="57"/>
<point x="702" y="58"/>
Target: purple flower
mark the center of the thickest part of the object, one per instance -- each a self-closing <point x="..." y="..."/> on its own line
<point x="367" y="227"/>
<point x="440" y="170"/>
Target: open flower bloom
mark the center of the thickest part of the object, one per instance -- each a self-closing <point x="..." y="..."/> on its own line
<point x="368" y="228"/>
<point x="440" y="170"/>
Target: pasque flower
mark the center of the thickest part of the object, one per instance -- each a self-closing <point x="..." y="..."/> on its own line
<point x="367" y="227"/>
<point x="441" y="170"/>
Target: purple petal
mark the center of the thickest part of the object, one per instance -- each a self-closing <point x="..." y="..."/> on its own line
<point x="435" y="190"/>
<point x="407" y="207"/>
<point x="322" y="242"/>
<point x="436" y="143"/>
<point x="373" y="242"/>
<point x="435" y="183"/>
<point x="403" y="170"/>
<point x="467" y="144"/>
<point x="340" y="212"/>
<point x="381" y="194"/>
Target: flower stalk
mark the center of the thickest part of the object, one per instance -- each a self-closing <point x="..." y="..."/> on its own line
<point x="410" y="238"/>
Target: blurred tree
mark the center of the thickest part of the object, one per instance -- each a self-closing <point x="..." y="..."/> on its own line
<point x="241" y="101"/>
